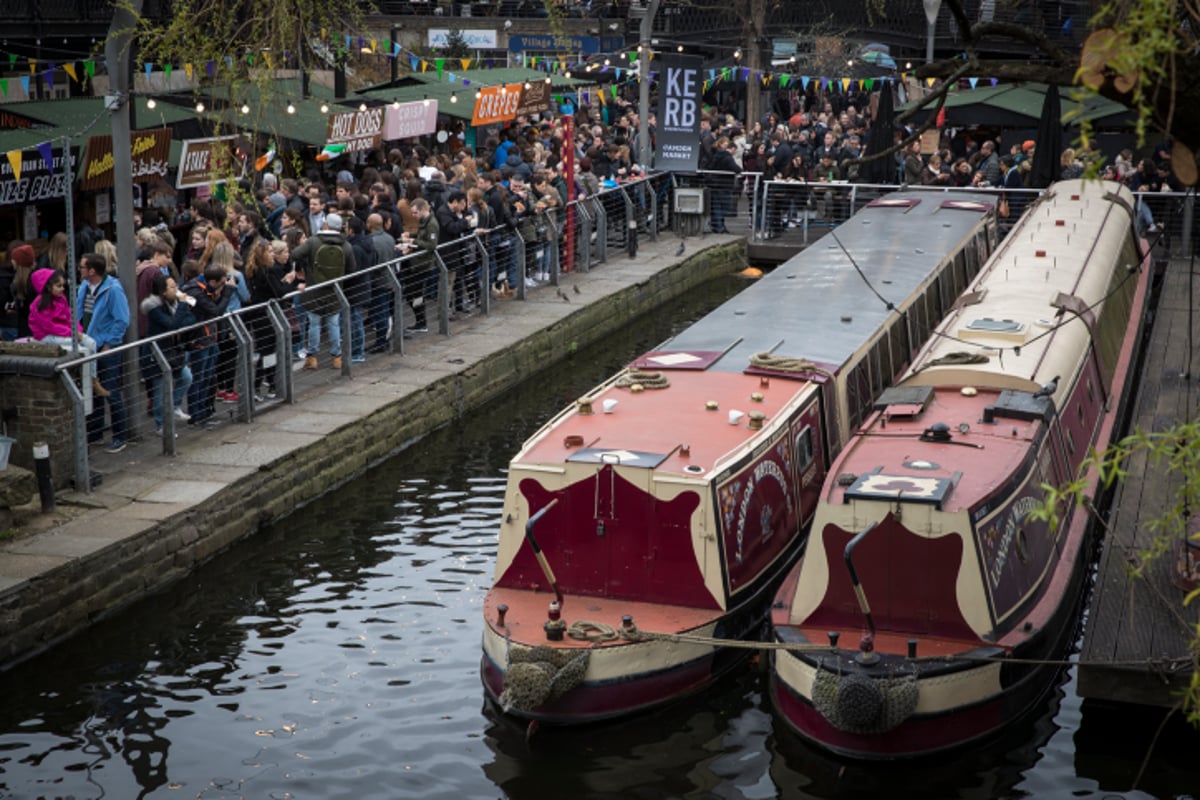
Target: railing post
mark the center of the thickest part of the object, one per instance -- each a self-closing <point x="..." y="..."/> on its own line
<point x="83" y="473"/>
<point x="443" y="294"/>
<point x="391" y="273"/>
<point x="243" y="376"/>
<point x="166" y="398"/>
<point x="344" y="324"/>
<point x="283" y="350"/>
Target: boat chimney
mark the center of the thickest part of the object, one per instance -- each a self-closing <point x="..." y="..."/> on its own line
<point x="554" y="627"/>
<point x="833" y="639"/>
<point x="501" y="610"/>
<point x="627" y="624"/>
<point x="912" y="648"/>
<point x="756" y="420"/>
<point x="989" y="415"/>
<point x="584" y="405"/>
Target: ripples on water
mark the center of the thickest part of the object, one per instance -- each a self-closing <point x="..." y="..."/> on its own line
<point x="336" y="655"/>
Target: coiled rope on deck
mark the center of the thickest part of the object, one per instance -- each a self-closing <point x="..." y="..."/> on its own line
<point x="647" y="380"/>
<point x="776" y="363"/>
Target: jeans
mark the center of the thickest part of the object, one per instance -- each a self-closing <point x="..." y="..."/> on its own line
<point x="333" y="324"/>
<point x="380" y="312"/>
<point x="182" y="381"/>
<point x="108" y="370"/>
<point x="200" y="394"/>
<point x="358" y="332"/>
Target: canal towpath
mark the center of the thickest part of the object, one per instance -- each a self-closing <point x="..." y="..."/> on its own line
<point x="154" y="518"/>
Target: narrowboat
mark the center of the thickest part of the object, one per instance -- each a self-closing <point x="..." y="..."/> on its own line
<point x="931" y="606"/>
<point x="652" y="521"/>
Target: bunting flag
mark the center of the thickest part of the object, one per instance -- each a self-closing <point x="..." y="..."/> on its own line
<point x="930" y="81"/>
<point x="438" y="63"/>
<point x="46" y="151"/>
<point x="69" y="68"/>
<point x="331" y="151"/>
<point x="32" y="65"/>
<point x="167" y="69"/>
<point x="267" y="59"/>
<point x="804" y="82"/>
<point x="4" y="86"/>
<point x="845" y="84"/>
<point x="211" y="68"/>
<point x="147" y="67"/>
<point x="995" y="81"/>
<point x="14" y="160"/>
<point x="466" y="63"/>
<point x="49" y="76"/>
<point x="187" y="70"/>
<point x="89" y="67"/>
<point x="12" y="60"/>
<point x="395" y="50"/>
<point x="973" y="82"/>
<point x="25" y="84"/>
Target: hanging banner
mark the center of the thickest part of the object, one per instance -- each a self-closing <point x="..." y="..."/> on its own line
<point x="437" y="38"/>
<point x="535" y="99"/>
<point x="497" y="104"/>
<point x="410" y="119"/>
<point x="678" y="139"/>
<point x="205" y="162"/>
<point x="38" y="179"/>
<point x="358" y="130"/>
<point x="149" y="150"/>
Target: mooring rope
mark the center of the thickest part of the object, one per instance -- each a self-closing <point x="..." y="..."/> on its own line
<point x="647" y="380"/>
<point x="786" y="364"/>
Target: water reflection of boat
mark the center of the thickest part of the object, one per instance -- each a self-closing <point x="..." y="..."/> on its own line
<point x="673" y="498"/>
<point x="929" y="606"/>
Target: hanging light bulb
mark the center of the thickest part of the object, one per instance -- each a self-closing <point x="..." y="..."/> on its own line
<point x="792" y="59"/>
<point x="639" y="48"/>
<point x="395" y="102"/>
<point x="324" y="108"/>
<point x="199" y="108"/>
<point x="850" y="62"/>
<point x="362" y="106"/>
<point x="454" y="97"/>
<point x="151" y="103"/>
<point x="478" y="94"/>
<point x="679" y="48"/>
<point x="908" y="65"/>
<point x="567" y="73"/>
<point x="425" y="100"/>
<point x="547" y="81"/>
<point x="737" y="55"/>
<point x="245" y="108"/>
<point x="607" y="63"/>
<point x="291" y="109"/>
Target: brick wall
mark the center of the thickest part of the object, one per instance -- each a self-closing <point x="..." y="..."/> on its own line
<point x="37" y="408"/>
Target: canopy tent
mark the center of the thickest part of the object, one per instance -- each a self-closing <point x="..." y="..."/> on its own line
<point x="1020" y="106"/>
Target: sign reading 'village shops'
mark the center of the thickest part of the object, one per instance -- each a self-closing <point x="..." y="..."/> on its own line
<point x="39" y="181"/>
<point x="149" y="150"/>
<point x="358" y="130"/>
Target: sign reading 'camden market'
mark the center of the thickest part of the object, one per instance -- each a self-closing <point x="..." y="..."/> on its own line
<point x="149" y="151"/>
<point x="358" y="130"/>
<point x="39" y="180"/>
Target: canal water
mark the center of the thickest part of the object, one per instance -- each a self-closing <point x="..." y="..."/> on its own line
<point x="336" y="655"/>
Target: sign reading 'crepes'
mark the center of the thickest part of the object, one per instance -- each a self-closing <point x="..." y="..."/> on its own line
<point x="149" y="151"/>
<point x="358" y="130"/>
<point x="497" y="104"/>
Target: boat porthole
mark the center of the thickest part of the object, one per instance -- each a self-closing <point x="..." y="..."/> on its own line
<point x="1022" y="546"/>
<point x="695" y="469"/>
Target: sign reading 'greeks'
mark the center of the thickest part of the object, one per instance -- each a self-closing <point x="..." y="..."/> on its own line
<point x="678" y="139"/>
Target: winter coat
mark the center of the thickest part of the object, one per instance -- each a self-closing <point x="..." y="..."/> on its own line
<point x="53" y="321"/>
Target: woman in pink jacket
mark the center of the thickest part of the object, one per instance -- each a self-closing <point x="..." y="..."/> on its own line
<point x="50" y="319"/>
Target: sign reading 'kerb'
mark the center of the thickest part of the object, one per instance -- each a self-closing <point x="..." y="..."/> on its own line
<point x="358" y="130"/>
<point x="678" y="139"/>
<point x="410" y="119"/>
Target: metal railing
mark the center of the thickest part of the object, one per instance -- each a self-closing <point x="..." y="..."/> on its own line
<point x="249" y="360"/>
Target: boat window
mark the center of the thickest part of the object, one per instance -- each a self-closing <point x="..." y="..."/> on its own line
<point x="1070" y="440"/>
<point x="995" y="325"/>
<point x="804" y="448"/>
<point x="898" y="342"/>
<point x="1079" y="411"/>
<point x="1022" y="546"/>
<point x="1091" y="390"/>
<point x="858" y="393"/>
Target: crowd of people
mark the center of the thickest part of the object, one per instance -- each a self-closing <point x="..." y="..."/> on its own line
<point x="272" y="237"/>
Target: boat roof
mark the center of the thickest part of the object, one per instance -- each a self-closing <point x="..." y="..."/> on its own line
<point x="817" y="305"/>
<point x="1020" y="312"/>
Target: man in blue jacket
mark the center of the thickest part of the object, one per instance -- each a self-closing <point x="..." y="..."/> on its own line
<point x="104" y="314"/>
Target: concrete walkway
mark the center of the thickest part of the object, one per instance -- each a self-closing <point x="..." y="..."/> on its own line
<point x="155" y="518"/>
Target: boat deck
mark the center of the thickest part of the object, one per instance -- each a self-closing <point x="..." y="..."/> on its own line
<point x="1135" y="647"/>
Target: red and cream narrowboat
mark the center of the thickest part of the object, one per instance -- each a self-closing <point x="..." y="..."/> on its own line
<point x="673" y="498"/>
<point x="930" y="605"/>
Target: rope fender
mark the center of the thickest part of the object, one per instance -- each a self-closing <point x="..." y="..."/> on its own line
<point x="647" y="380"/>
<point x="858" y="704"/>
<point x="786" y="364"/>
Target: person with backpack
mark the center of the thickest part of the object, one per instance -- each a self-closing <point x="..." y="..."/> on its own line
<point x="326" y="257"/>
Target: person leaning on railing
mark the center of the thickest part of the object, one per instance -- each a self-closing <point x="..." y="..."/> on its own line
<point x="167" y="309"/>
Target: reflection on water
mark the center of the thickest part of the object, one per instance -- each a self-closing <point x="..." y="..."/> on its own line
<point x="336" y="655"/>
